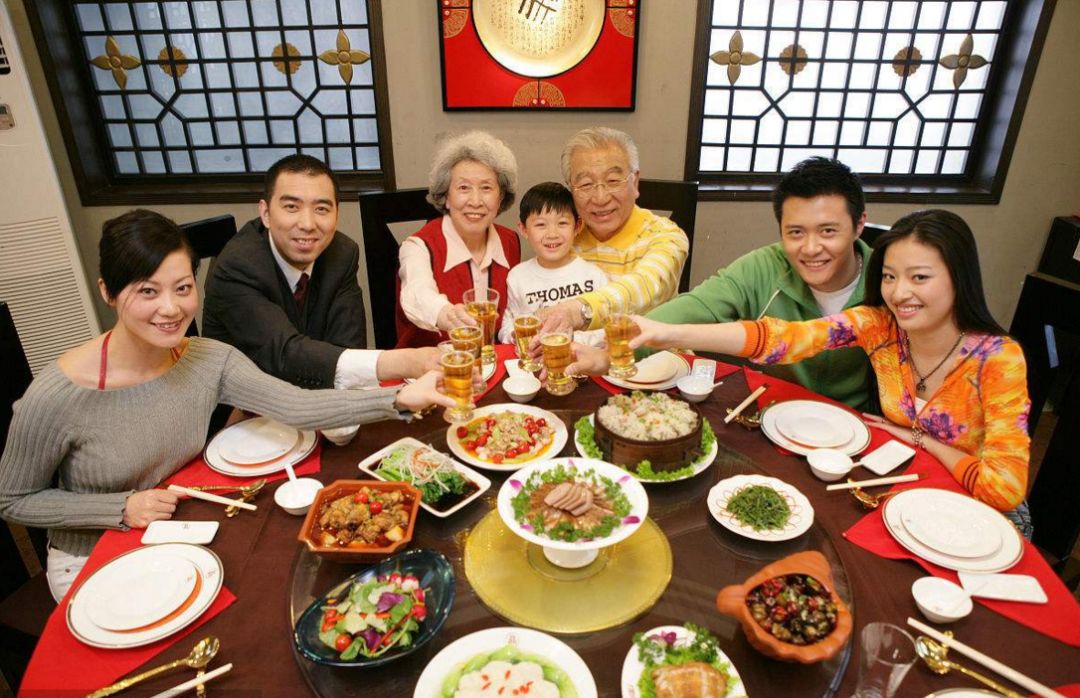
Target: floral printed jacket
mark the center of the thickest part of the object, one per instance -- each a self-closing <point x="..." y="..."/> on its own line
<point x="981" y="407"/>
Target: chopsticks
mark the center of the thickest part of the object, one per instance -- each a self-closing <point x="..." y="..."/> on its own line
<point x="742" y="405"/>
<point x="196" y="494"/>
<point x="988" y="662"/>
<point x="197" y="681"/>
<point x="874" y="482"/>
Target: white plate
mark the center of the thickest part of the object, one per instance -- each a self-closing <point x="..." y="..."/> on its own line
<point x="135" y="592"/>
<point x="802" y="513"/>
<point x="635" y="493"/>
<point x="257" y="441"/>
<point x="194" y="532"/>
<point x="369" y="464"/>
<point x="682" y="368"/>
<point x="951" y="526"/>
<point x="860" y="432"/>
<point x="815" y="431"/>
<point x="460" y="651"/>
<point x="213" y="457"/>
<point x="1010" y="552"/>
<point x="632" y="666"/>
<point x="211" y="575"/>
<point x="558" y="439"/>
<point x="700" y="465"/>
<point x="963" y="693"/>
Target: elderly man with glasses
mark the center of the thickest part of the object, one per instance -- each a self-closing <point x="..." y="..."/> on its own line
<point x="641" y="253"/>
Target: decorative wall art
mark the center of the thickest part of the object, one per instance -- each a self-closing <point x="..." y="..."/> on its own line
<point x="539" y="54"/>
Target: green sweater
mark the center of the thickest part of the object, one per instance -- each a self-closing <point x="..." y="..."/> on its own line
<point x="744" y="289"/>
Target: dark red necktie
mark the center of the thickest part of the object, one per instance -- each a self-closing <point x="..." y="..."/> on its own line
<point x="301" y="290"/>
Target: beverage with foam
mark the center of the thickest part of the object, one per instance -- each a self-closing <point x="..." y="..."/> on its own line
<point x="557" y="356"/>
<point x="458" y="377"/>
<point x="619" y="329"/>
<point x="483" y="305"/>
<point x="525" y="328"/>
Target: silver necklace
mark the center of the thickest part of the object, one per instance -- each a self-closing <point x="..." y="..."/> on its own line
<point x="920" y="387"/>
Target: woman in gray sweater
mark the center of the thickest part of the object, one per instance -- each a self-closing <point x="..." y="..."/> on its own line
<point x="112" y="418"/>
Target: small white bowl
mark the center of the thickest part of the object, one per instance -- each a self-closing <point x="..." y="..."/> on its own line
<point x="296" y="497"/>
<point x="828" y="464"/>
<point x="522" y="387"/>
<point x="940" y="600"/>
<point x="694" y="388"/>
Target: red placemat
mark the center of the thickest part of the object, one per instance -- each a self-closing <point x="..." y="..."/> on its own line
<point x="62" y="665"/>
<point x="197" y="472"/>
<point x="722" y="369"/>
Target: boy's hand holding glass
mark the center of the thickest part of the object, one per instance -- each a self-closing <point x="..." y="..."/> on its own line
<point x="527" y="329"/>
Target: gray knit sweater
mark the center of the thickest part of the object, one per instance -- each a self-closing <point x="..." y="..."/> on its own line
<point x="106" y="444"/>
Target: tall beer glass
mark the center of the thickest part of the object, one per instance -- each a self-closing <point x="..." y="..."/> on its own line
<point x="458" y="376"/>
<point x="525" y="328"/>
<point x="557" y="357"/>
<point x="619" y="329"/>
<point x="483" y="305"/>
<point x="470" y="338"/>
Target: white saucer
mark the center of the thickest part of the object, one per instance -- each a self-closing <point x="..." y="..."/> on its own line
<point x="837" y="416"/>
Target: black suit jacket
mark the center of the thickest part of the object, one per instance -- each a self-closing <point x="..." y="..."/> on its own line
<point x="249" y="305"/>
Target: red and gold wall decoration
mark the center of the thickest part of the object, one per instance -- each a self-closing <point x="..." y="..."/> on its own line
<point x="539" y="54"/>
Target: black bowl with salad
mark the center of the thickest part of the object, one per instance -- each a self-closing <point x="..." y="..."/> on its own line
<point x="445" y="485"/>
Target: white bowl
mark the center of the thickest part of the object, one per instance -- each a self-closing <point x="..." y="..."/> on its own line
<point x="694" y="388"/>
<point x="522" y="387"/>
<point x="296" y="497"/>
<point x="828" y="464"/>
<point x="940" y="600"/>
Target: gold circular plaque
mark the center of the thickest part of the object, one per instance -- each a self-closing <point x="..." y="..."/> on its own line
<point x="538" y="38"/>
<point x="514" y="579"/>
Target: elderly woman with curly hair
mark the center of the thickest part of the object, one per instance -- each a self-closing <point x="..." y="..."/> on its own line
<point x="473" y="178"/>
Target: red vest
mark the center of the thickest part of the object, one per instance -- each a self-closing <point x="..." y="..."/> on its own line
<point x="453" y="283"/>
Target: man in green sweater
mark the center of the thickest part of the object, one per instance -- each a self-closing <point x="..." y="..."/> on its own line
<point x="817" y="269"/>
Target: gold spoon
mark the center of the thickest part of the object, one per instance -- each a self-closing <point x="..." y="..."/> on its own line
<point x="200" y="655"/>
<point x="213" y="488"/>
<point x="247" y="494"/>
<point x="871" y="501"/>
<point x="933" y="655"/>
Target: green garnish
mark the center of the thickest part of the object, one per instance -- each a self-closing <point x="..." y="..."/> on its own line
<point x="428" y="470"/>
<point x="564" y="531"/>
<point x="658" y="650"/>
<point x="759" y="507"/>
<point x="643" y="470"/>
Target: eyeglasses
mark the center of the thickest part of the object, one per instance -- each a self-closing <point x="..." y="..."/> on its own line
<point x="611" y="186"/>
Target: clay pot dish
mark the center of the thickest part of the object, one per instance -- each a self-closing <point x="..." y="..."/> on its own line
<point x="731" y="601"/>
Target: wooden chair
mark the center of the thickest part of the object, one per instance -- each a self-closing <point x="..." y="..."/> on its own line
<point x="25" y="601"/>
<point x="208" y="238"/>
<point x="378" y="210"/>
<point x="678" y="201"/>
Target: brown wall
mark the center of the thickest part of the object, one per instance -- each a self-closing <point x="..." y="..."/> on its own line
<point x="1043" y="180"/>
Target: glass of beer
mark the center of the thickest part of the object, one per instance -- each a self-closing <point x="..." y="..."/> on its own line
<point x="470" y="338"/>
<point x="619" y="329"/>
<point x="458" y="377"/>
<point x="557" y="357"/>
<point x="483" y="305"/>
<point x="525" y="328"/>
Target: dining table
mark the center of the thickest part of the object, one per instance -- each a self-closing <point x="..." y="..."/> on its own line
<point x="275" y="577"/>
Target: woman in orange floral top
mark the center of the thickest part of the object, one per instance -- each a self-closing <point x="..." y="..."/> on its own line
<point x="949" y="379"/>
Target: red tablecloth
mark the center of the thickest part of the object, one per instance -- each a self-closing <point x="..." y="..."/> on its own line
<point x="1059" y="618"/>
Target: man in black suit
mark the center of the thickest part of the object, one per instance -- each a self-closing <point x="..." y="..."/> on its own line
<point x="284" y="289"/>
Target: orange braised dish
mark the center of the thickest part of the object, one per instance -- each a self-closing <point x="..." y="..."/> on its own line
<point x="794" y="608"/>
<point x="506" y="437"/>
<point x="367" y="517"/>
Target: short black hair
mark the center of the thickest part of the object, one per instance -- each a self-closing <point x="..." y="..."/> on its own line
<point x="298" y="164"/>
<point x="547" y="196"/>
<point x="818" y="176"/>
<point x="952" y="238"/>
<point x="133" y="246"/>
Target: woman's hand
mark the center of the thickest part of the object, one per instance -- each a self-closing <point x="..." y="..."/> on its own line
<point x="588" y="361"/>
<point x="652" y="334"/>
<point x="422" y="393"/>
<point x="452" y="316"/>
<point x="902" y="433"/>
<point x="149" y="505"/>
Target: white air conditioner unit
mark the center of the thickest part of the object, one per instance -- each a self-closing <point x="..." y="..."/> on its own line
<point x="41" y="275"/>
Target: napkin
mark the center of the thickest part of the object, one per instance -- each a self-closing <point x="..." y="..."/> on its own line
<point x="62" y="665"/>
<point x="1059" y="618"/>
<point x="722" y="369"/>
<point x="197" y="472"/>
